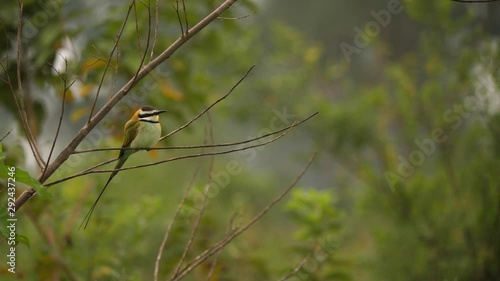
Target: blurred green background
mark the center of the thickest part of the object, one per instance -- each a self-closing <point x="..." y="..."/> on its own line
<point x="405" y="186"/>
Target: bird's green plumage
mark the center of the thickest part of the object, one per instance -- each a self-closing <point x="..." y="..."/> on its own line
<point x="129" y="132"/>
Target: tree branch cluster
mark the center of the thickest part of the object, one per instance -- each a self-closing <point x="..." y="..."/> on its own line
<point x="142" y="71"/>
<point x="49" y="166"/>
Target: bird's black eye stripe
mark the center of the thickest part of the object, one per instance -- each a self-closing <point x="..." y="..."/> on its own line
<point x="143" y="115"/>
<point x="149" y="121"/>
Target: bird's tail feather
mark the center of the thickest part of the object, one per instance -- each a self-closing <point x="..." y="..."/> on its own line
<point x="121" y="160"/>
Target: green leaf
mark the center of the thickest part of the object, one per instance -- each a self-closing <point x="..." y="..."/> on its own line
<point x="24" y="177"/>
<point x="21" y="239"/>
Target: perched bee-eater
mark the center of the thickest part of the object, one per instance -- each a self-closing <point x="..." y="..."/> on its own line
<point x="142" y="131"/>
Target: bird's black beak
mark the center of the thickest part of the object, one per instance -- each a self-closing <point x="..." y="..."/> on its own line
<point x="158" y="111"/>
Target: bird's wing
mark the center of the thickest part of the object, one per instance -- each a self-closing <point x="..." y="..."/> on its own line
<point x="129" y="133"/>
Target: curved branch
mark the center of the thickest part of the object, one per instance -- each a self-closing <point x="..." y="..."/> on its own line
<point x="221" y="244"/>
<point x="21" y="106"/>
<point x="92" y="170"/>
<point x="108" y="61"/>
<point x="174" y="219"/>
<point x="203" y="204"/>
<point x="63" y="103"/>
<point x="6" y="135"/>
<point x="209" y="107"/>
<point x="88" y="171"/>
<point x="202" y="145"/>
<point x="298" y="267"/>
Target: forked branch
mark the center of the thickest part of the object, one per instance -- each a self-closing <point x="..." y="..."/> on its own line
<point x="203" y="204"/>
<point x="221" y="244"/>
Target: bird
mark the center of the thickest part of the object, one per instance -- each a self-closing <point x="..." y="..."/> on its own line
<point x="142" y="131"/>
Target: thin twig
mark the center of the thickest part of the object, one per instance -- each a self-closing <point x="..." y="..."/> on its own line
<point x="157" y="23"/>
<point x="298" y="267"/>
<point x="63" y="103"/>
<point x="203" y="204"/>
<point x="137" y="29"/>
<point x="189" y="123"/>
<point x="21" y="106"/>
<point x="217" y="255"/>
<point x="82" y="172"/>
<point x="85" y="130"/>
<point x="8" y="133"/>
<point x="108" y="61"/>
<point x="199" y="146"/>
<point x="144" y="55"/>
<point x="116" y="67"/>
<point x="86" y="172"/>
<point x="221" y="244"/>
<point x="185" y="15"/>
<point x="18" y="56"/>
<point x="209" y="107"/>
<point x="176" y="9"/>
<point x="235" y="18"/>
<point x="174" y="219"/>
<point x="90" y="171"/>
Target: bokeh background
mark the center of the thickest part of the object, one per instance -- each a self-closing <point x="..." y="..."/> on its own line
<point x="405" y="186"/>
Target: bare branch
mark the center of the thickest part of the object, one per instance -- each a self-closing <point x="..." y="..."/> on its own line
<point x="18" y="54"/>
<point x="157" y="23"/>
<point x="203" y="204"/>
<point x="91" y="171"/>
<point x="143" y="58"/>
<point x="209" y="107"/>
<point x="216" y="258"/>
<point x="199" y="146"/>
<point x="108" y="61"/>
<point x="298" y="267"/>
<point x="221" y="244"/>
<point x="63" y="103"/>
<point x="176" y="9"/>
<point x="66" y="152"/>
<point x="174" y="219"/>
<point x="84" y="172"/>
<point x="21" y="106"/>
<point x="185" y="15"/>
<point x="189" y="123"/>
<point x="116" y="67"/>
<point x="8" y="133"/>
<point x="235" y="18"/>
<point x="99" y="57"/>
<point x="137" y="29"/>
